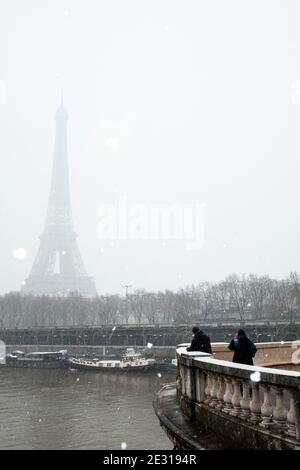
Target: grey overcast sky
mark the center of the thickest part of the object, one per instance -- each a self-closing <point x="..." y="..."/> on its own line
<point x="169" y="101"/>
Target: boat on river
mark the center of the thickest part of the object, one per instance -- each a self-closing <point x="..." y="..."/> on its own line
<point x="131" y="361"/>
<point x="37" y="360"/>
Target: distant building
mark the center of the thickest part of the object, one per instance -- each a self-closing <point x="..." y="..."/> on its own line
<point x="58" y="268"/>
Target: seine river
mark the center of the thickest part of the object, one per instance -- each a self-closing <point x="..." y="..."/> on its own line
<point x="61" y="409"/>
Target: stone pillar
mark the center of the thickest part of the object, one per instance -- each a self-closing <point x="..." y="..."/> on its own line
<point x="291" y="416"/>
<point x="255" y="404"/>
<point x="236" y="398"/>
<point x="188" y="382"/>
<point x="279" y="411"/>
<point x="214" y="391"/>
<point x="245" y="401"/>
<point x="200" y="385"/>
<point x="182" y="381"/>
<point x="208" y="387"/>
<point x="227" y="398"/>
<point x="220" y="393"/>
<point x="266" y="408"/>
<point x="297" y="413"/>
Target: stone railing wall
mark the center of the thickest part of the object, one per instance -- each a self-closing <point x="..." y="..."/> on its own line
<point x="259" y="405"/>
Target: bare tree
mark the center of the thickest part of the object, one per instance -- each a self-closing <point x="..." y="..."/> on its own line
<point x="258" y="291"/>
<point x="239" y="294"/>
<point x="138" y="304"/>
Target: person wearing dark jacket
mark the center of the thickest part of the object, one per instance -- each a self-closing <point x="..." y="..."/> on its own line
<point x="200" y="342"/>
<point x="244" y="349"/>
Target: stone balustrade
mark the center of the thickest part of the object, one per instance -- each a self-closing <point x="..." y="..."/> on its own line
<point x="260" y="404"/>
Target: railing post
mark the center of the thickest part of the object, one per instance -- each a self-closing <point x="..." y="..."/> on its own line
<point x="183" y="381"/>
<point x="220" y="393"/>
<point x="279" y="411"/>
<point x="199" y="385"/>
<point x="208" y="387"/>
<point x="227" y="398"/>
<point x="297" y="413"/>
<point x="236" y="398"/>
<point x="214" y="391"/>
<point x="255" y="404"/>
<point x="291" y="416"/>
<point x="266" y="408"/>
<point x="245" y="401"/>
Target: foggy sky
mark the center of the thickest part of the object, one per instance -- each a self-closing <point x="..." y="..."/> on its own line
<point x="169" y="101"/>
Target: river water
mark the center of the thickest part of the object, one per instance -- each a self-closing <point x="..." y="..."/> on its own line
<point x="61" y="409"/>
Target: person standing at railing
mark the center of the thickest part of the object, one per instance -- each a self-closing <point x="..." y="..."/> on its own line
<point x="200" y="341"/>
<point x="244" y="349"/>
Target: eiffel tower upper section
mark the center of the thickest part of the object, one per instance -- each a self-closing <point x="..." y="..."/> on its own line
<point x="58" y="267"/>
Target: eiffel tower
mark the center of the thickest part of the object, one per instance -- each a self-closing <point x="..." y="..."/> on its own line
<point x="58" y="268"/>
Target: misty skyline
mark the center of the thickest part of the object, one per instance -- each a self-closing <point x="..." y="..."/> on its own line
<point x="162" y="111"/>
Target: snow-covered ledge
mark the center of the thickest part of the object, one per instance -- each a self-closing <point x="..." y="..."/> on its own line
<point x="263" y="399"/>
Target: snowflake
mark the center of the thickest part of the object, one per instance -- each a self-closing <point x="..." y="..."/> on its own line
<point x="255" y="376"/>
<point x="124" y="446"/>
<point x="19" y="253"/>
<point x="112" y="144"/>
<point x="149" y="345"/>
<point x="159" y="375"/>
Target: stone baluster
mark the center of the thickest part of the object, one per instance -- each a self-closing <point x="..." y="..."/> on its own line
<point x="279" y="411"/>
<point x="188" y="378"/>
<point x="255" y="404"/>
<point x="220" y="393"/>
<point x="266" y="408"/>
<point x="236" y="398"/>
<point x="291" y="417"/>
<point x="214" y="391"/>
<point x="227" y="398"/>
<point x="200" y="384"/>
<point x="182" y="382"/>
<point x="208" y="388"/>
<point x="245" y="401"/>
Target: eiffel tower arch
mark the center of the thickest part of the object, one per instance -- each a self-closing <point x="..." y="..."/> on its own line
<point x="58" y="267"/>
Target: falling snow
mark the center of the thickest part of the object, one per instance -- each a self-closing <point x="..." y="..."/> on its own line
<point x="112" y="144"/>
<point x="20" y="253"/>
<point x="255" y="376"/>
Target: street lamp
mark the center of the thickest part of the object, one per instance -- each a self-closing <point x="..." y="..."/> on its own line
<point x="126" y="287"/>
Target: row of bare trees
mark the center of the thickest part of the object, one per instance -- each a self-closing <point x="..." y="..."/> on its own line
<point x="235" y="298"/>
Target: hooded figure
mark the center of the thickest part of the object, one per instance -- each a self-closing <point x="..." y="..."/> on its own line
<point x="200" y="342"/>
<point x="244" y="349"/>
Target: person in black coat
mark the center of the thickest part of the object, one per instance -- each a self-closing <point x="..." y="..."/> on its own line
<point x="200" y="342"/>
<point x="244" y="349"/>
